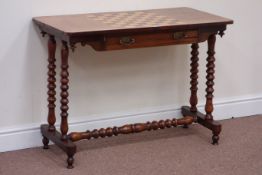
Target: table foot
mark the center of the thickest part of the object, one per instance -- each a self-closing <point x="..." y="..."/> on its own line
<point x="214" y="126"/>
<point x="45" y="142"/>
<point x="215" y="139"/>
<point x="185" y="126"/>
<point x="70" y="161"/>
<point x="67" y="146"/>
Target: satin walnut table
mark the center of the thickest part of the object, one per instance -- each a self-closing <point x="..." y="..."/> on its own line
<point x="126" y="30"/>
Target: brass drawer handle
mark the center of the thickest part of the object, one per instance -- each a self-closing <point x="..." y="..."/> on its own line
<point x="179" y="35"/>
<point x="127" y="41"/>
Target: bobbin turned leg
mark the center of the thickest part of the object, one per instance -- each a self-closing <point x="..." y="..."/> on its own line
<point x="51" y="83"/>
<point x="194" y="76"/>
<point x="210" y="77"/>
<point x="64" y="91"/>
<point x="204" y="119"/>
<point x="64" y="103"/>
<point x="210" y="86"/>
<point x="51" y="118"/>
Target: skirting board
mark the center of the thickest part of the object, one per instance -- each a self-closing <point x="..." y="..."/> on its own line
<point x="29" y="136"/>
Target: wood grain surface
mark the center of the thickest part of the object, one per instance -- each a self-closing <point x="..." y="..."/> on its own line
<point x="102" y="22"/>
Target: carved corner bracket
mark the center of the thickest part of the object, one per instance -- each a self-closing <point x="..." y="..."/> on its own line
<point x="43" y="33"/>
<point x="221" y="33"/>
<point x="72" y="46"/>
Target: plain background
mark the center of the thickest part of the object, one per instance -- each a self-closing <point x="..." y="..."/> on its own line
<point x="103" y="83"/>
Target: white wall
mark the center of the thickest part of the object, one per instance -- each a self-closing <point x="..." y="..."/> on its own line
<point x="124" y="83"/>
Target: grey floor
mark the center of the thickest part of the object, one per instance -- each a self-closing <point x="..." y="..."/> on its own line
<point x="174" y="151"/>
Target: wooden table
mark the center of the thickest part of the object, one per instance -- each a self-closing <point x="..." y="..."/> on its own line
<point x="126" y="30"/>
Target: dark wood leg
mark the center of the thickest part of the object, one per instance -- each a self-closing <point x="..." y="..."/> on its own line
<point x="51" y="118"/>
<point x="210" y="77"/>
<point x="64" y="91"/>
<point x="194" y="77"/>
<point x="60" y="139"/>
<point x="51" y="83"/>
<point x="64" y="102"/>
<point x="210" y="85"/>
<point x="206" y="119"/>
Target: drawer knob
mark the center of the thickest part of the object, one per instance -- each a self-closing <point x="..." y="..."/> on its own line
<point x="179" y="35"/>
<point x="127" y="41"/>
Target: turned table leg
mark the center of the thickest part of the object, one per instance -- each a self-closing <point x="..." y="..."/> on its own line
<point x="210" y="85"/>
<point x="194" y="76"/>
<point x="210" y="77"/>
<point x="64" y="102"/>
<point x="51" y="83"/>
<point x="64" y="91"/>
<point x="51" y="118"/>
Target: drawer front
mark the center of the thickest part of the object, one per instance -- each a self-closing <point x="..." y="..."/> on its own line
<point x="149" y="40"/>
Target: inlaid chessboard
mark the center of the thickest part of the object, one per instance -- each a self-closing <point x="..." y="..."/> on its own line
<point x="132" y="19"/>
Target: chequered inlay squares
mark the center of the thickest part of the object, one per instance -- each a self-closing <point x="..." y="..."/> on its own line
<point x="132" y="19"/>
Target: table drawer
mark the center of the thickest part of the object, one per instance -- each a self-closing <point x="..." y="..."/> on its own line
<point x="117" y="42"/>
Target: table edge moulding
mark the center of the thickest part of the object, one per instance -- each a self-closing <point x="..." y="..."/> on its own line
<point x="127" y="30"/>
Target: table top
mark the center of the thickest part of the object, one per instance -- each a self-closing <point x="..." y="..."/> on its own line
<point x="157" y="19"/>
